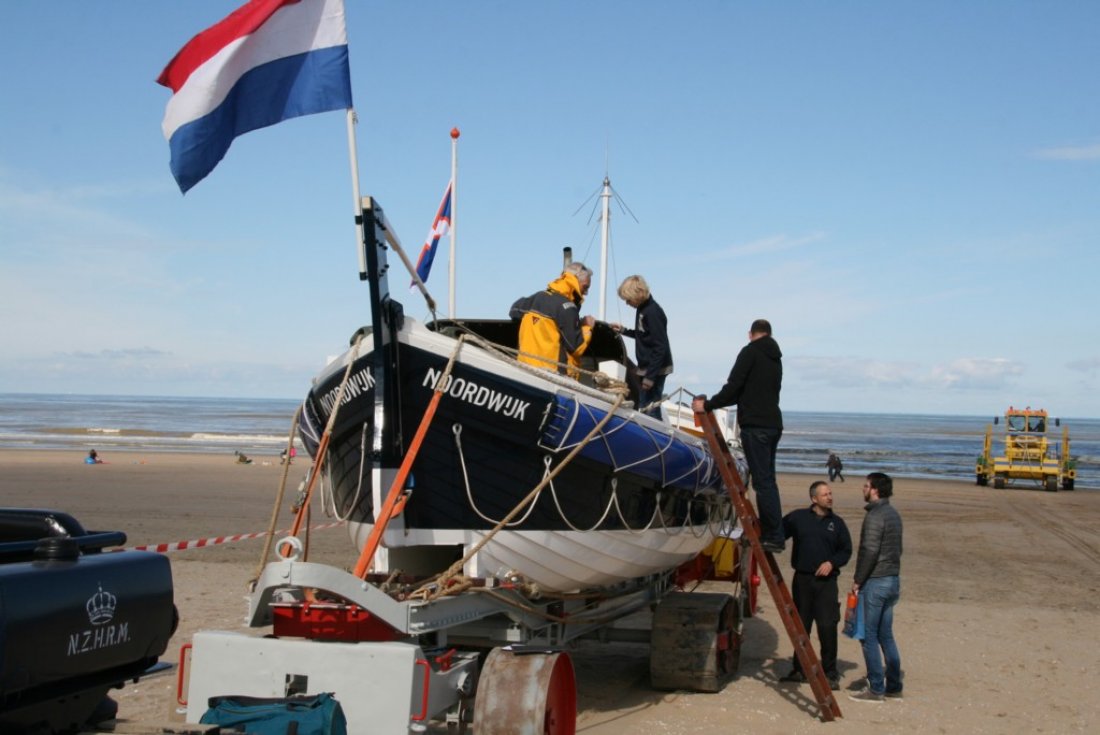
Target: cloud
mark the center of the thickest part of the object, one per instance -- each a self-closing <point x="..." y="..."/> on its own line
<point x="138" y="353"/>
<point x="976" y="373"/>
<point x="1070" y="153"/>
<point x="968" y="373"/>
<point x="853" y="372"/>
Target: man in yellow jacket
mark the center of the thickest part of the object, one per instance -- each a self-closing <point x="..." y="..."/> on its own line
<point x="552" y="334"/>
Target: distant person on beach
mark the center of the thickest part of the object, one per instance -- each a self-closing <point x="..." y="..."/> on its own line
<point x="822" y="545"/>
<point x="285" y="458"/>
<point x="753" y="385"/>
<point x="878" y="582"/>
<point x="552" y="334"/>
<point x="242" y="459"/>
<point x="651" y="348"/>
<point x="93" y="457"/>
<point x="836" y="467"/>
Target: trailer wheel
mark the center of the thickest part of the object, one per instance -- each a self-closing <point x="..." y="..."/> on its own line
<point x="696" y="641"/>
<point x="1051" y="484"/>
<point x="999" y="482"/>
<point x="526" y="694"/>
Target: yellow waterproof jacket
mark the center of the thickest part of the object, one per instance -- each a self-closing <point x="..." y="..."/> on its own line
<point x="550" y="332"/>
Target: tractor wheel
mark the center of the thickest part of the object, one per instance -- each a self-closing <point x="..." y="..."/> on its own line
<point x="1067" y="483"/>
<point x="1051" y="484"/>
<point x="696" y="641"/>
<point x="999" y="482"/>
<point x="982" y="480"/>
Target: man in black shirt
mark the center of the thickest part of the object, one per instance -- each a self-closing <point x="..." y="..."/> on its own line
<point x="822" y="545"/>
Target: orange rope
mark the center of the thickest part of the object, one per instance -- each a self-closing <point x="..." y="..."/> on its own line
<point x="382" y="519"/>
<point x="366" y="557"/>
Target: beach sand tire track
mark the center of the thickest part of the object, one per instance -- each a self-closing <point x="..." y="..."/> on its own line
<point x="1064" y="526"/>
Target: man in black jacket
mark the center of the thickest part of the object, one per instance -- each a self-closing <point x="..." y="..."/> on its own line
<point x="822" y="545"/>
<point x="877" y="580"/>
<point x="753" y="385"/>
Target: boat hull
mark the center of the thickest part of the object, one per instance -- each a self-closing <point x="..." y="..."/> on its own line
<point x="639" y="497"/>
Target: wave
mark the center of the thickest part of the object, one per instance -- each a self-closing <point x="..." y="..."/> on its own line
<point x="208" y="436"/>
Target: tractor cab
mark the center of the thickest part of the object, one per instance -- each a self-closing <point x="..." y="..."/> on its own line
<point x="1028" y="453"/>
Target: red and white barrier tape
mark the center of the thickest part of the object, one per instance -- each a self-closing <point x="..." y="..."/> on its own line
<point x="204" y="542"/>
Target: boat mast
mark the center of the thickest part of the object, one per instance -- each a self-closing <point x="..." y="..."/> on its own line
<point x="604" y="237"/>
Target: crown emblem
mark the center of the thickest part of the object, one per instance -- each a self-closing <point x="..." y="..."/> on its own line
<point x="101" y="607"/>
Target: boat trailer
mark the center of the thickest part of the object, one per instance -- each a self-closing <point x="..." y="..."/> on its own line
<point x="496" y="657"/>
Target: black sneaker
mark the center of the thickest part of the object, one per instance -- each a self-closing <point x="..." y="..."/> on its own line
<point x="795" y="677"/>
<point x="774" y="547"/>
<point x="894" y="695"/>
<point x="834" y="683"/>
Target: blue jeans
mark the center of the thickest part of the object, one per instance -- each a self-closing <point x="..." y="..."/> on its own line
<point x="646" y="397"/>
<point x="760" y="445"/>
<point x="880" y="594"/>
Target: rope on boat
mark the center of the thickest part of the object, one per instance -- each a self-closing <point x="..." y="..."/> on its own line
<point x="322" y="448"/>
<point x="456" y="429"/>
<point x="441" y="585"/>
<point x="328" y="500"/>
<point x="613" y="501"/>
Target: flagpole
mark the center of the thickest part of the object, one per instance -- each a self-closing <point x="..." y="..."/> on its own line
<point x="353" y="154"/>
<point x="454" y="219"/>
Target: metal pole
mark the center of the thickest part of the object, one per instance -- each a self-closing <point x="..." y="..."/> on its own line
<point x="454" y="220"/>
<point x="353" y="154"/>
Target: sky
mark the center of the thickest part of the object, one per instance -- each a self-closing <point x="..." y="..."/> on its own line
<point x="909" y="192"/>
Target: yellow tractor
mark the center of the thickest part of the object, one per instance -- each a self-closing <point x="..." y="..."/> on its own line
<point x="1028" y="453"/>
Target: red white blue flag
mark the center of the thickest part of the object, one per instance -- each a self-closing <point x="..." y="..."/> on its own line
<point x="268" y="61"/>
<point x="439" y="228"/>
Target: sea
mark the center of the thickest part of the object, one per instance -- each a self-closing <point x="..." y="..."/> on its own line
<point x="902" y="445"/>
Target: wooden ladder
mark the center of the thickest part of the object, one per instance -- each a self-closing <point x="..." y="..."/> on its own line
<point x="750" y="524"/>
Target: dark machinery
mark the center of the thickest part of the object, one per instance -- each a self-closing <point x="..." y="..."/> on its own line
<point x="75" y="621"/>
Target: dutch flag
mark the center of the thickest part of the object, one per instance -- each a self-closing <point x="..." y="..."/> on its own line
<point x="269" y="61"/>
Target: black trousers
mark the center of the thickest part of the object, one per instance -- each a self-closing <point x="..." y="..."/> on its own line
<point x="818" y="601"/>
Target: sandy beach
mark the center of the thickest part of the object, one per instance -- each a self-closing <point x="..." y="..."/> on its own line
<point x="996" y="624"/>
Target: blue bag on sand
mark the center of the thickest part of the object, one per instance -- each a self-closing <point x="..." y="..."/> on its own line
<point x="853" y="616"/>
<point x="315" y="714"/>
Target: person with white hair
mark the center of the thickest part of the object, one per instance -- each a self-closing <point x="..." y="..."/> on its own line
<point x="552" y="334"/>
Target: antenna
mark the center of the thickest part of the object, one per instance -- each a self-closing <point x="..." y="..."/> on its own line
<point x="605" y="193"/>
<point x="605" y="234"/>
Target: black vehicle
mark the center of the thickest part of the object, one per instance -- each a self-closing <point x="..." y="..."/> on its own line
<point x="75" y="620"/>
